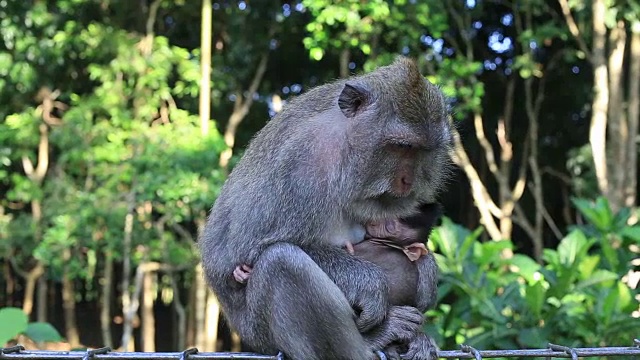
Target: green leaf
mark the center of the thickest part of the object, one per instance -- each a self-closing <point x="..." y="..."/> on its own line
<point x="535" y="297"/>
<point x="316" y="53"/>
<point x="631" y="232"/>
<point x="588" y="265"/>
<point x="42" y="332"/>
<point x="609" y="252"/>
<point x="13" y="322"/>
<point x="527" y="267"/>
<point x="598" y="214"/>
<point x="533" y="337"/>
<point x="599" y="276"/>
<point x="572" y="247"/>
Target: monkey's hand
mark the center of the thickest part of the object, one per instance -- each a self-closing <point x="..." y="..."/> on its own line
<point x="368" y="296"/>
<point x="241" y="273"/>
<point x="402" y="325"/>
<point x="421" y="347"/>
<point x="370" y="307"/>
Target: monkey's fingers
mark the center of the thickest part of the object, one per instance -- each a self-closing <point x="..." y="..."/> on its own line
<point x="247" y="268"/>
<point x="349" y="247"/>
<point x="421" y="347"/>
<point x="240" y="275"/>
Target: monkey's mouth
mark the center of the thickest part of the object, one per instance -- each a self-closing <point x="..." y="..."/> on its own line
<point x="391" y="202"/>
<point x="391" y="198"/>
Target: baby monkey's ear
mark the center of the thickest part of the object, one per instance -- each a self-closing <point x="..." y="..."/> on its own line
<point x="426" y="219"/>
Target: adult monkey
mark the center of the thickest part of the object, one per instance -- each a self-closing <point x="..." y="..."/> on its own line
<point x="364" y="149"/>
<point x="395" y="245"/>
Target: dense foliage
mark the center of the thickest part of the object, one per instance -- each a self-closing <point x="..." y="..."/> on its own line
<point x="107" y="171"/>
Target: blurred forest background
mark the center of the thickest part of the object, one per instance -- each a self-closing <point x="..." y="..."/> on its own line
<point x="119" y="121"/>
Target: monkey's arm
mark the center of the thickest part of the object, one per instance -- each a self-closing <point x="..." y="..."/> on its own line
<point x="363" y="283"/>
<point x="427" y="282"/>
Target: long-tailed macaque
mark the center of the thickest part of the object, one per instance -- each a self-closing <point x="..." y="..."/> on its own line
<point x="355" y="151"/>
<point x="394" y="245"/>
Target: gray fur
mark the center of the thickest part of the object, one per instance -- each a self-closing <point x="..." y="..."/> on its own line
<point x="310" y="169"/>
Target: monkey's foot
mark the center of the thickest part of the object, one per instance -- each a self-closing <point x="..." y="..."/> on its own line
<point x="415" y="251"/>
<point x="422" y="347"/>
<point x="242" y="273"/>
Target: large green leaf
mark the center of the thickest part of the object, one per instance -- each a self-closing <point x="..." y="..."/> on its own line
<point x="631" y="232"/>
<point x="572" y="248"/>
<point x="535" y="297"/>
<point x="599" y="214"/>
<point x="42" y="331"/>
<point x="13" y="321"/>
<point x="599" y="276"/>
<point x="527" y="267"/>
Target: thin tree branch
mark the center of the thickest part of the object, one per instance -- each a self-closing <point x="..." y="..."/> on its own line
<point x="486" y="145"/>
<point x="483" y="201"/>
<point x="573" y="27"/>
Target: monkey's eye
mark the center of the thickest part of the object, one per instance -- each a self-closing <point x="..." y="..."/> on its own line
<point x="403" y="145"/>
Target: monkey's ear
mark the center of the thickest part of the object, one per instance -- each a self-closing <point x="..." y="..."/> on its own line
<point x="353" y="99"/>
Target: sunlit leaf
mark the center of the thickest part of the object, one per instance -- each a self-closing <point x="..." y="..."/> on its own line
<point x="14" y="322"/>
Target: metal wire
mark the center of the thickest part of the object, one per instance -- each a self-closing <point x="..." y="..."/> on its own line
<point x="465" y="352"/>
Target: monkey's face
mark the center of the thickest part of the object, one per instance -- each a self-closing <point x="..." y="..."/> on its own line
<point x="399" y="136"/>
<point x="396" y="230"/>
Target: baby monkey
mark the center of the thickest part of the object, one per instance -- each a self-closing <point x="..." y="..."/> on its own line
<point x="392" y="244"/>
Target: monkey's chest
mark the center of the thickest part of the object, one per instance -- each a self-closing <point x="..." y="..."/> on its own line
<point x="346" y="233"/>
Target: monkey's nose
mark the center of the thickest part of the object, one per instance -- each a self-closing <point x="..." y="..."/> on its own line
<point x="406" y="183"/>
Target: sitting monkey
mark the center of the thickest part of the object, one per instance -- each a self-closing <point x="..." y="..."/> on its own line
<point x="362" y="149"/>
<point x="395" y="245"/>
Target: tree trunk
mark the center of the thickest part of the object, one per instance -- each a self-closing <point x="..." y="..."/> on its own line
<point x="200" y="307"/>
<point x="482" y="198"/>
<point x="148" y="317"/>
<point x="130" y="313"/>
<point x="240" y="110"/>
<point x="31" y="277"/>
<point x="127" y="325"/>
<point x="236" y="342"/>
<point x="617" y="124"/>
<point x="205" y="70"/>
<point x="105" y="308"/>
<point x="532" y="107"/>
<point x="9" y="282"/>
<point x="178" y="307"/>
<point x="633" y="118"/>
<point x="181" y="316"/>
<point x="345" y="57"/>
<point x="36" y="175"/>
<point x="41" y="301"/>
<point x="600" y="105"/>
<point x="212" y="321"/>
<point x="506" y="196"/>
<point x="190" y="337"/>
<point x="69" y="304"/>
